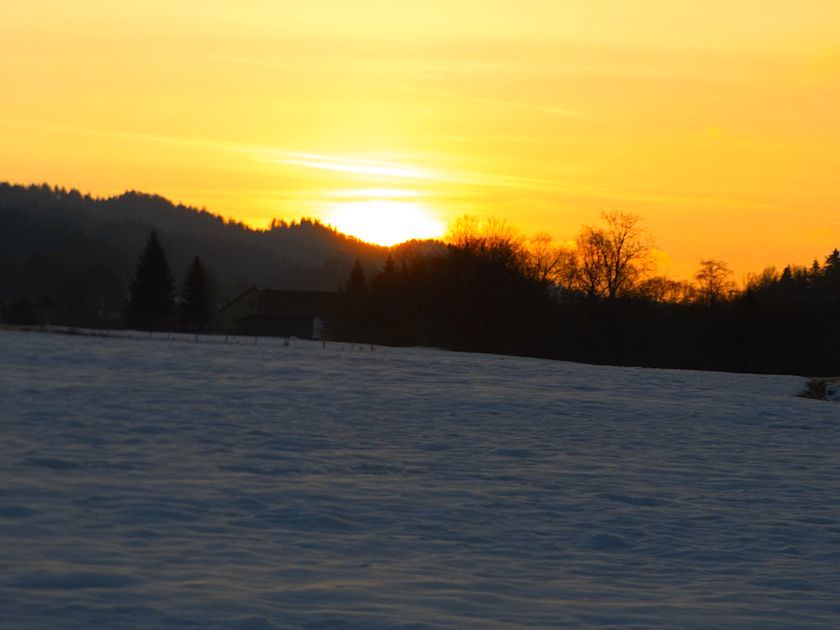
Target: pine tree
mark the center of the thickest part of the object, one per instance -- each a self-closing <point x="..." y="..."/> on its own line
<point x="151" y="300"/>
<point x="832" y="261"/>
<point x="358" y="283"/>
<point x="195" y="298"/>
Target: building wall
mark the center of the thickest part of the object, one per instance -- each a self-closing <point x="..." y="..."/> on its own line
<point x="246" y="305"/>
<point x="279" y="313"/>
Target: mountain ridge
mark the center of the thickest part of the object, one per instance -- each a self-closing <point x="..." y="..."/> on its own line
<point x="63" y="246"/>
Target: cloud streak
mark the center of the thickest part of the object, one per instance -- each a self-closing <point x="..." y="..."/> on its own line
<point x="493" y="102"/>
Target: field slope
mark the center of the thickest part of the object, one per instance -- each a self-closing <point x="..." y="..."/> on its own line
<point x="160" y="482"/>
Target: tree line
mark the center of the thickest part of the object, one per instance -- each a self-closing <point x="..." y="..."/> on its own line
<point x="70" y="257"/>
<point x="487" y="289"/>
<point x="154" y="302"/>
<point x="600" y="301"/>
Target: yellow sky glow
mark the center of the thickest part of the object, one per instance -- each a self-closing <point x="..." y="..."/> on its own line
<point x="716" y="121"/>
<point x="385" y="222"/>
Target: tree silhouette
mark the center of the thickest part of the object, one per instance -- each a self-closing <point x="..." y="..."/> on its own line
<point x="549" y="264"/>
<point x="832" y="273"/>
<point x="612" y="260"/>
<point x="357" y="283"/>
<point x="19" y="312"/>
<point x="195" y="298"/>
<point x="151" y="299"/>
<point x="713" y="281"/>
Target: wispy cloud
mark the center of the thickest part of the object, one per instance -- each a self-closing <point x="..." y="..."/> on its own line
<point x="377" y="193"/>
<point x="358" y="166"/>
<point x="494" y="102"/>
<point x="547" y="140"/>
<point x="366" y="167"/>
<point x="131" y="135"/>
<point x="370" y="70"/>
<point x="387" y="169"/>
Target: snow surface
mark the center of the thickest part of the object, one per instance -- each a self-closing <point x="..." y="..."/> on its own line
<point x="160" y="482"/>
<point x="832" y="390"/>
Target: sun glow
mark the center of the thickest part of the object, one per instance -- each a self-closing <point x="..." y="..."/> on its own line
<point x="385" y="222"/>
<point x="542" y="114"/>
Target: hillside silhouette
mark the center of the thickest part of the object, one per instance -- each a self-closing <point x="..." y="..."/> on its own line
<point x="73" y="259"/>
<point x="76" y="253"/>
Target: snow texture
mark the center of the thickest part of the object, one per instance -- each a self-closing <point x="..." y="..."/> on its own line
<point x="163" y="483"/>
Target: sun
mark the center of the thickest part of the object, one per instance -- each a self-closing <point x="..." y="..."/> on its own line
<point x="385" y="221"/>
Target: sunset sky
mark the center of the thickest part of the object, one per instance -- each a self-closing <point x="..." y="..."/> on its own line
<point x="717" y="121"/>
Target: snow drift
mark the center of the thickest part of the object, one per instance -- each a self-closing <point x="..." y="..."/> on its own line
<point x="163" y="482"/>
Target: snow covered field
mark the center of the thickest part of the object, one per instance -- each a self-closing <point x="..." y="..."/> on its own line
<point x="169" y="483"/>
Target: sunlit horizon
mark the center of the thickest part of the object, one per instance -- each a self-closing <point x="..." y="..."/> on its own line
<point x="385" y="222"/>
<point x="715" y="122"/>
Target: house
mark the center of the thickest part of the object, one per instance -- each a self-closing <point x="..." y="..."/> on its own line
<point x="269" y="312"/>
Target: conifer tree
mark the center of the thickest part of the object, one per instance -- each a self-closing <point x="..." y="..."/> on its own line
<point x="358" y="282"/>
<point x="151" y="299"/>
<point x="195" y="298"/>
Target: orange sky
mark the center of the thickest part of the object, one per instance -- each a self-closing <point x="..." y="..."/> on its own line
<point x="717" y="121"/>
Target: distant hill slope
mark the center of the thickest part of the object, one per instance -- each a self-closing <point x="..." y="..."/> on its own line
<point x="59" y="246"/>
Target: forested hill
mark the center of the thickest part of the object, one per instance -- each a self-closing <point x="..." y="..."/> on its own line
<point x="64" y="247"/>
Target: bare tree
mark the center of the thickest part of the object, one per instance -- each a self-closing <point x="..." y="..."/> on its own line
<point x="548" y="263"/>
<point x="464" y="232"/>
<point x="713" y="281"/>
<point x="493" y="240"/>
<point x="663" y="289"/>
<point x="612" y="260"/>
